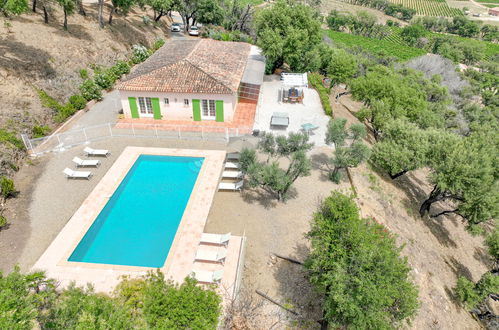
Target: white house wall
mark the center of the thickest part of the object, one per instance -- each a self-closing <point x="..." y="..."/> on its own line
<point x="176" y="110"/>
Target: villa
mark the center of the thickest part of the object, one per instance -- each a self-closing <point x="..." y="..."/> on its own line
<point x="193" y="81"/>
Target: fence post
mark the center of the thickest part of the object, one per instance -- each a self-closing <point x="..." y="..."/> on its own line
<point x="156" y="131"/>
<point x="85" y="134"/>
<point x="58" y="138"/>
<point x="227" y="134"/>
<point x="133" y="130"/>
<point x="179" y="132"/>
<point x="110" y="130"/>
<point x="202" y="133"/>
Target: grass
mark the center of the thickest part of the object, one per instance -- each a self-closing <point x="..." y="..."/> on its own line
<point x="490" y="5"/>
<point x="376" y="46"/>
<point x="488" y="1"/>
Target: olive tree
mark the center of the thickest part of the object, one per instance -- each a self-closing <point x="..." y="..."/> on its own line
<point x="268" y="174"/>
<point x="349" y="151"/>
<point x="356" y="264"/>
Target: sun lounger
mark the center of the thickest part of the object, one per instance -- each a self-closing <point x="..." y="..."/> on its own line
<point x="233" y="155"/>
<point x="86" y="162"/>
<point x="210" y="255"/>
<point x="230" y="185"/>
<point x="231" y="165"/>
<point x="96" y="152"/>
<point x="279" y="119"/>
<point x="70" y="174"/>
<point x="215" y="238"/>
<point x="232" y="174"/>
<point x="204" y="276"/>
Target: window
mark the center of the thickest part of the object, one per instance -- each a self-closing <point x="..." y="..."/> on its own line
<point x="145" y="105"/>
<point x="186" y="102"/>
<point x="208" y="107"/>
<point x="167" y="101"/>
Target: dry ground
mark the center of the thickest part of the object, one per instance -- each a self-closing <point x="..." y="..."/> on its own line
<point x="34" y="55"/>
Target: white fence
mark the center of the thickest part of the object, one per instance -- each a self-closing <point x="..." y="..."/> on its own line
<point x="65" y="140"/>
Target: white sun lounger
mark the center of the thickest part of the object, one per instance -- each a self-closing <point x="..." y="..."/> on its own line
<point x="210" y="255"/>
<point x="231" y="165"/>
<point x="215" y="238"/>
<point x="232" y="174"/>
<point x="233" y="155"/>
<point x="230" y="185"/>
<point x="96" y="152"/>
<point x="86" y="162"/>
<point x="204" y="276"/>
<point x="70" y="174"/>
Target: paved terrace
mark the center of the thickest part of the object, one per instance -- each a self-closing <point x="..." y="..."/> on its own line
<point x="244" y="118"/>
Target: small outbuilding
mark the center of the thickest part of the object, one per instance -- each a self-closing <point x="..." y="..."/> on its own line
<point x="494" y="11"/>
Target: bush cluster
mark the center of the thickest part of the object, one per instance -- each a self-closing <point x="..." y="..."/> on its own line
<point x="315" y="80"/>
<point x="3" y="221"/>
<point x="78" y="101"/>
<point x="7" y="187"/>
<point x="40" y="131"/>
<point x="11" y="138"/>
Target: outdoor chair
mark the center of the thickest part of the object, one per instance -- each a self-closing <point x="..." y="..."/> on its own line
<point x="231" y="165"/>
<point x="230" y="185"/>
<point x="232" y="174"/>
<point x="204" y="276"/>
<point x="215" y="238"/>
<point x="85" y="162"/>
<point x="211" y="256"/>
<point x="70" y="174"/>
<point x="233" y="156"/>
<point x="96" y="152"/>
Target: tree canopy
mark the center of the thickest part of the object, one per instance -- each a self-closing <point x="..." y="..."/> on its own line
<point x="288" y="32"/>
<point x="356" y="264"/>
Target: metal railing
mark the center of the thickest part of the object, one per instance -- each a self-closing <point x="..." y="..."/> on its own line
<point x="68" y="139"/>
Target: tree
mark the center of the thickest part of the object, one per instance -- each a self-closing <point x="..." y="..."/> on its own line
<point x="68" y="7"/>
<point x="188" y="10"/>
<point x="268" y="175"/>
<point x="346" y="156"/>
<point x="123" y="6"/>
<point x="356" y="264"/>
<point x="13" y="7"/>
<point x="412" y="33"/>
<point x="210" y="12"/>
<point x="466" y="172"/>
<point x="342" y="67"/>
<point x="405" y="147"/>
<point x="101" y="13"/>
<point x="288" y="33"/>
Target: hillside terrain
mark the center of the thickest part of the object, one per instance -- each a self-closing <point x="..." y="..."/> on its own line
<point x="37" y="56"/>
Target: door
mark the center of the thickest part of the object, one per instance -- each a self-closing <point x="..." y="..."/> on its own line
<point x="208" y="109"/>
<point x="145" y="107"/>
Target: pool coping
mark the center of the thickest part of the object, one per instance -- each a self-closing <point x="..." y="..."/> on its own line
<point x="182" y="251"/>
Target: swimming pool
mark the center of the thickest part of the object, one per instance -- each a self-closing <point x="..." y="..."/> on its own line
<point x="138" y="224"/>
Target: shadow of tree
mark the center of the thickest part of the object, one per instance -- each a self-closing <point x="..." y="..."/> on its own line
<point x="265" y="198"/>
<point x="24" y="60"/>
<point x="320" y="162"/>
<point x="483" y="256"/>
<point x="75" y="31"/>
<point x="452" y="296"/>
<point x="458" y="268"/>
<point x="296" y="290"/>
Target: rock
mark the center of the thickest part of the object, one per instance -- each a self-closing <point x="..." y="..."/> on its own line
<point x="493" y="305"/>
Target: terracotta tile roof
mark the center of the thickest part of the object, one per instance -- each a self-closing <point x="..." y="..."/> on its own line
<point x="191" y="66"/>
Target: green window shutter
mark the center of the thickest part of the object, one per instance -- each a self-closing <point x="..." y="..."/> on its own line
<point x="156" y="109"/>
<point x="219" y="110"/>
<point x="133" y="107"/>
<point x="196" y="110"/>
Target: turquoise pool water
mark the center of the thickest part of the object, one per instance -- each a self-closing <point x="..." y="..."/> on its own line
<point x="138" y="224"/>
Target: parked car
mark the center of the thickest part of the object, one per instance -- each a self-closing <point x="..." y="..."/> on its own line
<point x="176" y="27"/>
<point x="194" y="31"/>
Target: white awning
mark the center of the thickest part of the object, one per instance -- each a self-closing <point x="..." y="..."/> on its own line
<point x="294" y="79"/>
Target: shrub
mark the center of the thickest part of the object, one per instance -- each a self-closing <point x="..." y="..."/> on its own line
<point x="11" y="138"/>
<point x="139" y="54"/>
<point x="7" y="187"/>
<point x="105" y="79"/>
<point x="120" y="68"/>
<point x="3" y="221"/>
<point x="472" y="294"/>
<point x="90" y="90"/>
<point x="78" y="101"/>
<point x="39" y="131"/>
<point x="65" y="111"/>
<point x="83" y="73"/>
<point x="48" y="101"/>
<point x="157" y="44"/>
<point x="315" y="80"/>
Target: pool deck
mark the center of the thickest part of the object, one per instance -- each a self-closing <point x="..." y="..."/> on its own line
<point x="180" y="261"/>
